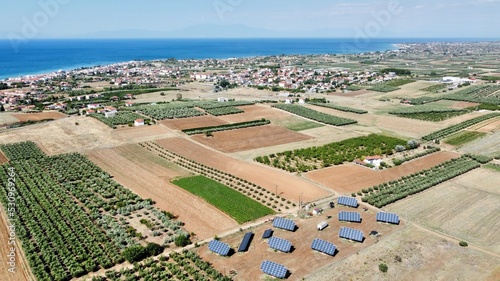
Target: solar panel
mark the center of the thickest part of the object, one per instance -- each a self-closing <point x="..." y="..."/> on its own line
<point x="347" y="201"/>
<point x="388" y="217"/>
<point x="245" y="244"/>
<point x="324" y="247"/>
<point x="274" y="269"/>
<point x="349" y="216"/>
<point x="284" y="224"/>
<point x="219" y="248"/>
<point x="268" y="233"/>
<point x="279" y="244"/>
<point x="351" y="234"/>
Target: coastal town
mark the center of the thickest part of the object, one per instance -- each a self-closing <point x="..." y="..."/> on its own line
<point x="287" y="76"/>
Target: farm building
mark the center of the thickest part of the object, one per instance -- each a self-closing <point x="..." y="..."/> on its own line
<point x="373" y="160"/>
<point x="139" y="122"/>
<point x="109" y="113"/>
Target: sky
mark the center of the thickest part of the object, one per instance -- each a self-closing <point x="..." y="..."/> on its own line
<point x="250" y="18"/>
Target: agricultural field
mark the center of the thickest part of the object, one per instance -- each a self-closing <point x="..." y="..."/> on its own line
<point x="435" y="88"/>
<point x="7" y="118"/>
<point x="231" y="202"/>
<point x="96" y="235"/>
<point x="413" y="253"/>
<point x="166" y="111"/>
<point x="341" y="108"/>
<point x="225" y="127"/>
<point x="460" y="126"/>
<point x="23" y="117"/>
<point x="308" y="159"/>
<point x="429" y="112"/>
<point x="463" y="137"/>
<point x="349" y="178"/>
<point x="302" y="125"/>
<point x="315" y="115"/>
<point x="193" y="122"/>
<point x="488" y="145"/>
<point x="391" y="85"/>
<point x="476" y="219"/>
<point x="121" y="118"/>
<point x="227" y="110"/>
<point x="478" y="93"/>
<point x="250" y="138"/>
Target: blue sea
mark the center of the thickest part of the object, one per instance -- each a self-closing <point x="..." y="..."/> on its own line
<point x="43" y="56"/>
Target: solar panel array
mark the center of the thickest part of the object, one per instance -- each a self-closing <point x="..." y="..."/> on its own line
<point x="324" y="247"/>
<point x="347" y="201"/>
<point x="284" y="224"/>
<point x="351" y="234"/>
<point x="245" y="244"/>
<point x="274" y="269"/>
<point x="388" y="217"/>
<point x="280" y="244"/>
<point x="349" y="216"/>
<point x="268" y="233"/>
<point x="219" y="248"/>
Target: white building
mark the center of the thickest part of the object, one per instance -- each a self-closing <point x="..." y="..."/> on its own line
<point x="373" y="160"/>
<point x="139" y="122"/>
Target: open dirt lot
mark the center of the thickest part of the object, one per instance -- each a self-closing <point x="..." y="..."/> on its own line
<point x="289" y="187"/>
<point x="466" y="207"/>
<point x="149" y="176"/>
<point x="351" y="177"/>
<point x="143" y="133"/>
<point x="63" y="136"/>
<point x="254" y="112"/>
<point x="39" y="116"/>
<point x="21" y="272"/>
<point x="302" y="261"/>
<point x="192" y="122"/>
<point x="250" y="138"/>
<point x="424" y="256"/>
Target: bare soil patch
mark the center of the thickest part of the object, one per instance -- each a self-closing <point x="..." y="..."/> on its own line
<point x="489" y="145"/>
<point x="302" y="261"/>
<point x="351" y="177"/>
<point x="254" y="112"/>
<point x="143" y="133"/>
<point x="149" y="176"/>
<point x="423" y="255"/>
<point x="192" y="122"/>
<point x="489" y="126"/>
<point x="250" y="138"/>
<point x="464" y="104"/>
<point x="3" y="158"/>
<point x="64" y="136"/>
<point x="21" y="270"/>
<point x="288" y="186"/>
<point x="39" y="116"/>
<point x="465" y="207"/>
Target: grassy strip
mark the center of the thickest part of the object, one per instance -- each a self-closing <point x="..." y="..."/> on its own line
<point x="460" y="126"/>
<point x="435" y="88"/>
<point x="432" y="116"/>
<point x="226" y="127"/>
<point x="301" y="126"/>
<point x="236" y="205"/>
<point x="463" y="137"/>
<point x="493" y="167"/>
<point x="341" y="108"/>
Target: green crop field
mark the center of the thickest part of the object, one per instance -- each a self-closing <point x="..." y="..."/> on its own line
<point x="464" y="137"/>
<point x="236" y="205"/>
<point x="303" y="125"/>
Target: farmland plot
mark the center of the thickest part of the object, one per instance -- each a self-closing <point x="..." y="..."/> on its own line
<point x="465" y="207"/>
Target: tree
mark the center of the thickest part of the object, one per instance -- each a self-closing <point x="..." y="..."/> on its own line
<point x="2" y="109"/>
<point x="182" y="240"/>
<point x="179" y="96"/>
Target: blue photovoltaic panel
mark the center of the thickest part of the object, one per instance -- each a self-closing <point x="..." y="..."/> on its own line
<point x="347" y="201"/>
<point x="268" y="233"/>
<point x="284" y="224"/>
<point x="280" y="244"/>
<point x="274" y="269"/>
<point x="388" y="217"/>
<point x="219" y="248"/>
<point x="324" y="247"/>
<point x="349" y="216"/>
<point x="245" y="244"/>
<point x="351" y="234"/>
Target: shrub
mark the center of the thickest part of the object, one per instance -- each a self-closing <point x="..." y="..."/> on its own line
<point x="182" y="241"/>
<point x="463" y="244"/>
<point x="383" y="267"/>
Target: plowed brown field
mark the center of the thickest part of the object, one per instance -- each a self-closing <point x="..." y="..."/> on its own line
<point x="149" y="176"/>
<point x="39" y="116"/>
<point x="287" y="185"/>
<point x="250" y="138"/>
<point x="351" y="177"/>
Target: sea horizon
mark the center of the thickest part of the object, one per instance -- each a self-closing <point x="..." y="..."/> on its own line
<point x="42" y="56"/>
